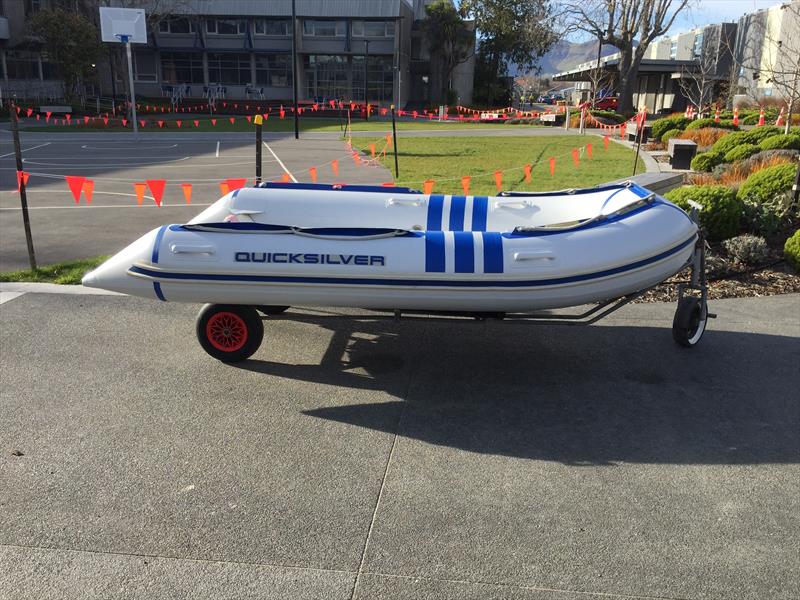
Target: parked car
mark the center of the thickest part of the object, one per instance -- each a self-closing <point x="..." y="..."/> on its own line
<point x="607" y="103"/>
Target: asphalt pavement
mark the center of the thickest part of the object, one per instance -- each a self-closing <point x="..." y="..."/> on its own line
<point x="355" y="457"/>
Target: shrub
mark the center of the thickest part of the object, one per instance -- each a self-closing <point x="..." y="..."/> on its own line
<point x="721" y="208"/>
<point x="754" y="136"/>
<point x="661" y="126"/>
<point x="704" y="138"/>
<point x="791" y="250"/>
<point x="705" y="161"/>
<point x="752" y="118"/>
<point x="730" y="141"/>
<point x="670" y="133"/>
<point x="767" y="183"/>
<point x="781" y="142"/>
<point x="741" y="152"/>
<point x="748" y="250"/>
<point x="608" y="116"/>
<point x="734" y="174"/>
<point x="703" y="123"/>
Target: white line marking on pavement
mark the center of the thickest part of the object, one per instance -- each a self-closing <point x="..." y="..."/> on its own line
<point x="128" y="147"/>
<point x="54" y="288"/>
<point x="280" y="162"/>
<point x="26" y="149"/>
<point x="149" y="163"/>
<point x="216" y="154"/>
<point x="6" y="296"/>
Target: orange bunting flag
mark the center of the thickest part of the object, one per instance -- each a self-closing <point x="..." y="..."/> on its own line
<point x="88" y="190"/>
<point x="589" y="150"/>
<point x="427" y="186"/>
<point x="575" y="157"/>
<point x="30" y="112"/>
<point x="605" y="141"/>
<point x="22" y="179"/>
<point x="157" y="189"/>
<point x="552" y="166"/>
<point x="622" y="130"/>
<point x="214" y="122"/>
<point x="223" y="187"/>
<point x="312" y="171"/>
<point x="124" y="122"/>
<point x="196" y="123"/>
<point x="178" y="123"/>
<point x="285" y="177"/>
<point x="75" y="183"/>
<point x="141" y="123"/>
<point x="105" y="120"/>
<point x="187" y="191"/>
<point x="335" y="167"/>
<point x="249" y="118"/>
<point x="160" y="124"/>
<point x="68" y="116"/>
<point x="47" y="116"/>
<point x="139" y="188"/>
<point x="388" y="140"/>
<point x="498" y="180"/>
<point x="282" y="113"/>
<point x="232" y="120"/>
<point x="527" y="169"/>
<point x="235" y="184"/>
<point x="372" y="150"/>
<point x="85" y="119"/>
<point x="465" y="181"/>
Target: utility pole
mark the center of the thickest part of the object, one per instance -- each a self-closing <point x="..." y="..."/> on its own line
<point x="294" y="71"/>
<point x="366" y="80"/>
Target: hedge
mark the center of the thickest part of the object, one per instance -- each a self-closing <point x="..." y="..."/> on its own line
<point x="701" y="123"/>
<point x="670" y="133"/>
<point x="721" y="212"/>
<point x="762" y="186"/>
<point x="706" y="161"/>
<point x="791" y="250"/>
<point x="781" y="142"/>
<point x="661" y="126"/>
<point x="741" y="152"/>
<point x="730" y="141"/>
<point x="755" y="136"/>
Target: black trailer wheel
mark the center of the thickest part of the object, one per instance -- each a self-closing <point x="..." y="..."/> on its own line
<point x="272" y="310"/>
<point x="689" y="323"/>
<point x="229" y="332"/>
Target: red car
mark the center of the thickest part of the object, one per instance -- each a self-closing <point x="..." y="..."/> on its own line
<point x="601" y="104"/>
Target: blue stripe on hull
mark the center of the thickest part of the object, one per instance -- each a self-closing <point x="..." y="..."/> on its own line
<point x="480" y="208"/>
<point x="458" y="205"/>
<point x="465" y="252"/>
<point x="444" y="283"/>
<point x="492" y="252"/>
<point x="435" y="207"/>
<point x="434" y="252"/>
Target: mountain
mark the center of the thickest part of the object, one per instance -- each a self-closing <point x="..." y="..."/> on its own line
<point x="565" y="55"/>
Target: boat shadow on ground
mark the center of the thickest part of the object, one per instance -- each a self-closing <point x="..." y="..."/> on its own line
<point x="578" y="395"/>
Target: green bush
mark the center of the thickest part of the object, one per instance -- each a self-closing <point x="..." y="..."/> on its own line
<point x="741" y="152"/>
<point x="608" y="115"/>
<point x="701" y="123"/>
<point x="754" y="136"/>
<point x="781" y="142"/>
<point x="706" y="161"/>
<point x="748" y="250"/>
<point x="670" y="133"/>
<point x="791" y="250"/>
<point x="727" y="143"/>
<point x="752" y="118"/>
<point x="661" y="126"/>
<point x="765" y="184"/>
<point x="721" y="208"/>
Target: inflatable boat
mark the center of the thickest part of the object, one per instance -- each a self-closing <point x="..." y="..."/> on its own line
<point x="281" y="245"/>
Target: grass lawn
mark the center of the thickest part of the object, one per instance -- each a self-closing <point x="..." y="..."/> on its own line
<point x="273" y="124"/>
<point x="446" y="160"/>
<point x="69" y="273"/>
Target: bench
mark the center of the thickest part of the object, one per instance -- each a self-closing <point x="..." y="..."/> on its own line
<point x="631" y="132"/>
<point x="681" y="153"/>
<point x="61" y="109"/>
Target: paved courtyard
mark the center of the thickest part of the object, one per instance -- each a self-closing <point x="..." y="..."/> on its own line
<point x="366" y="458"/>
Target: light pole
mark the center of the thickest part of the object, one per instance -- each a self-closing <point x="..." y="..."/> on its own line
<point x="294" y="71"/>
<point x="366" y="80"/>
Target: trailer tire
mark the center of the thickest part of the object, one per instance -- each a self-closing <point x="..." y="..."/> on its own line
<point x="690" y="321"/>
<point x="272" y="310"/>
<point x="229" y="332"/>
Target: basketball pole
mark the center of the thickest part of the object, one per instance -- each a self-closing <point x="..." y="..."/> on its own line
<point x="126" y="40"/>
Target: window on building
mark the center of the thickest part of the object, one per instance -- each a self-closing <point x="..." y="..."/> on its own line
<point x="274" y="70"/>
<point x="381" y="78"/>
<point x="32" y="6"/>
<point x="181" y="67"/>
<point x="673" y="50"/>
<point x="373" y="29"/>
<point x="177" y="26"/>
<point x="272" y="27"/>
<point x="233" y="69"/>
<point x="144" y="66"/>
<point x="22" y="64"/>
<point x="313" y="27"/>
<point x="698" y="45"/>
<point x="326" y="76"/>
<point x="226" y="26"/>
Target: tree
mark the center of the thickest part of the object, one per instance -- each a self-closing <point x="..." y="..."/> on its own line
<point x="623" y="23"/>
<point x="72" y="44"/>
<point x="699" y="81"/>
<point x="510" y="31"/>
<point x="451" y="42"/>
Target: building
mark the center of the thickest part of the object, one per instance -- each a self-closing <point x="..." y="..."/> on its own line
<point x="346" y="49"/>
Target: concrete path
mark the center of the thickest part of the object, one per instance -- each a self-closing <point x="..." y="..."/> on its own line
<point x="364" y="458"/>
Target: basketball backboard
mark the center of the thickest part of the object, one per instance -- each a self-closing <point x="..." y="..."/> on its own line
<point x="118" y="23"/>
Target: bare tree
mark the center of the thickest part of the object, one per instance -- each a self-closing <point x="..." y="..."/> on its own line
<point x="699" y="81"/>
<point x="622" y="23"/>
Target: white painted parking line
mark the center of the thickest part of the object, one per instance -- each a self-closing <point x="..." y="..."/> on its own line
<point x="217" y="152"/>
<point x="6" y="296"/>
<point x="280" y="162"/>
<point x="149" y="163"/>
<point x="27" y="149"/>
<point x="128" y="147"/>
